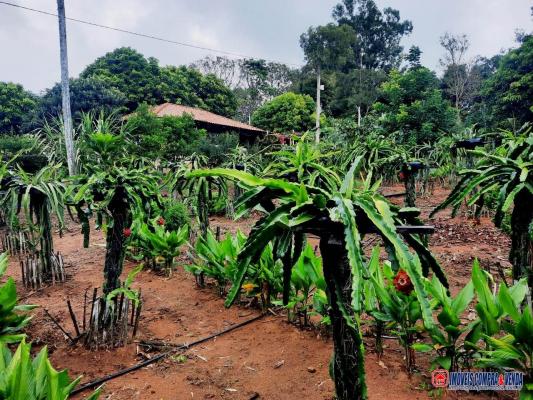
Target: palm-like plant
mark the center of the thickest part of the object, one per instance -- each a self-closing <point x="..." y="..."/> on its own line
<point x="117" y="193"/>
<point x="40" y="195"/>
<point x="304" y="163"/>
<point x="508" y="170"/>
<point x="198" y="189"/>
<point x="340" y="215"/>
<point x="116" y="188"/>
<point x="380" y="155"/>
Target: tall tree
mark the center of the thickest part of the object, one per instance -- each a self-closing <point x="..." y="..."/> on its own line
<point x="286" y="113"/>
<point x="411" y="104"/>
<point x="457" y="71"/>
<point x="327" y="47"/>
<point x="129" y="72"/>
<point x="509" y="91"/>
<point x="142" y="80"/>
<point x="413" y="57"/>
<point x="379" y="32"/>
<point x="15" y="106"/>
<point x="224" y="68"/>
<point x="86" y="95"/>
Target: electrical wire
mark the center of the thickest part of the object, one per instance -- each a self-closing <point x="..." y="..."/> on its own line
<point x="143" y="35"/>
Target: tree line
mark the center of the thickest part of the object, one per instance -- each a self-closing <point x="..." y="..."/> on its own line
<point x="368" y="78"/>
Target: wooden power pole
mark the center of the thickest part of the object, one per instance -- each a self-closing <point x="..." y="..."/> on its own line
<point x="318" y="108"/>
<point x="65" y="91"/>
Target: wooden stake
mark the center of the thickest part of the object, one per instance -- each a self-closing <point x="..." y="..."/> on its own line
<point x="73" y="316"/>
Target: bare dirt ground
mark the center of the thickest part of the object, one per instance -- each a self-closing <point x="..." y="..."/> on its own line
<point x="268" y="359"/>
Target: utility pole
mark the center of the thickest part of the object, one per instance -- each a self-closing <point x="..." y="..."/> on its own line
<point x="360" y="87"/>
<point x="65" y="91"/>
<point x="318" y="108"/>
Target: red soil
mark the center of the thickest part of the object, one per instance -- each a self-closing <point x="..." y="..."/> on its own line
<point x="268" y="359"/>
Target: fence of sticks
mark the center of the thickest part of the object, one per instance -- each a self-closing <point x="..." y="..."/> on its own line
<point x="104" y="323"/>
<point x="34" y="275"/>
<point x="16" y="243"/>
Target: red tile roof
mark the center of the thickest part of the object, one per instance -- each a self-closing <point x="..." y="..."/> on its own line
<point x="200" y="115"/>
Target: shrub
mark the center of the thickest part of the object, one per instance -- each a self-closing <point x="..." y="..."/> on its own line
<point x="176" y="215"/>
<point x="217" y="146"/>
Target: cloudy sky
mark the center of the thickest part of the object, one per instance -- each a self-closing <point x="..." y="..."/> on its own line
<point x="267" y="29"/>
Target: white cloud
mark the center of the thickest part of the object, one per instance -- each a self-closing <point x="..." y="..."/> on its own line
<point x="267" y="29"/>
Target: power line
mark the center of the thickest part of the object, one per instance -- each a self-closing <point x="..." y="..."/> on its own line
<point x="158" y="38"/>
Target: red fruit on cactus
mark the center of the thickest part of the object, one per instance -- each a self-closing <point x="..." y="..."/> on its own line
<point x="160" y="221"/>
<point x="401" y="175"/>
<point x="402" y="282"/>
<point x="126" y="232"/>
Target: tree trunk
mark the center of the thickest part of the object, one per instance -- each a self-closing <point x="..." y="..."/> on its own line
<point x="410" y="189"/>
<point x="347" y="366"/>
<point x="114" y="257"/>
<point x="44" y="222"/>
<point x="521" y="244"/>
<point x="85" y="227"/>
<point x="65" y="90"/>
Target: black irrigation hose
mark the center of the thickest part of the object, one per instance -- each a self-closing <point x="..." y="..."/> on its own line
<point x="184" y="346"/>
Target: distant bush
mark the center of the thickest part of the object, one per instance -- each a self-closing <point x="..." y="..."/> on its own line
<point x="176" y="216"/>
<point x="217" y="146"/>
<point x="165" y="137"/>
<point x="11" y="144"/>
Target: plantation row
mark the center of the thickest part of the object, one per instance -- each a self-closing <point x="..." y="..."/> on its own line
<point x="156" y="212"/>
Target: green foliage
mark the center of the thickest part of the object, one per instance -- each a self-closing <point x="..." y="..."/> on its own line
<point x="176" y="215"/>
<point x="493" y="308"/>
<point x="400" y="312"/>
<point x="302" y="163"/>
<point x="187" y="86"/>
<point x="142" y="80"/>
<point x="160" y="244"/>
<point x="215" y="147"/>
<point x="40" y="195"/>
<point x="509" y="91"/>
<point x="381" y="51"/>
<point x="265" y="277"/>
<point x="10" y="145"/>
<point x="411" y="104"/>
<point x="126" y="289"/>
<point x="22" y="378"/>
<point x="218" y="260"/>
<point x="13" y="317"/>
<point x="513" y="350"/>
<point x="451" y="354"/>
<point x="167" y="137"/>
<point x="459" y="346"/>
<point x="286" y="113"/>
<point x="87" y="95"/>
<point x="118" y="188"/>
<point x="15" y="105"/>
<point x="309" y="287"/>
<point x="301" y="204"/>
<point x="380" y="155"/>
<point x="329" y="47"/>
<point x="508" y="170"/>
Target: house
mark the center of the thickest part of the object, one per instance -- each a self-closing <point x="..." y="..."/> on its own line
<point x="211" y="122"/>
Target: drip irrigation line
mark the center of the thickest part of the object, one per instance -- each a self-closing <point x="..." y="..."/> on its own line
<point x="161" y="356"/>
